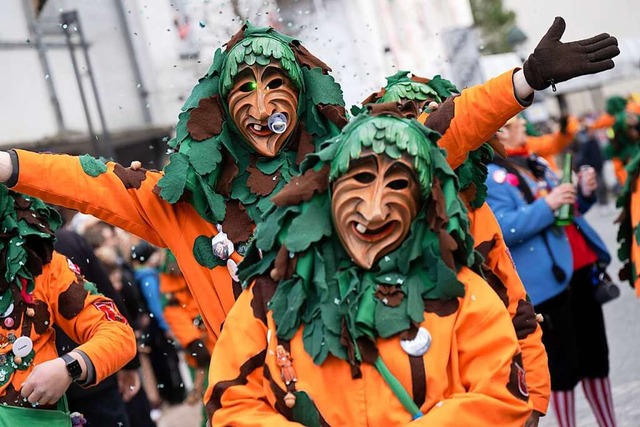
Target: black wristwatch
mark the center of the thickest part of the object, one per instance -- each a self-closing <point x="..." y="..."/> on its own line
<point x="73" y="367"/>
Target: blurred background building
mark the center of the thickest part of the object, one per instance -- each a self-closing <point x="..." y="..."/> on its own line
<point x="109" y="76"/>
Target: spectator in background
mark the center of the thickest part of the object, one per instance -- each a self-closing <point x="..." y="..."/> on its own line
<point x="589" y="153"/>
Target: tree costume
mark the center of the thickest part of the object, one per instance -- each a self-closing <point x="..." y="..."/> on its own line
<point x="400" y="327"/>
<point x="629" y="230"/>
<point x="216" y="180"/>
<point x="414" y="95"/>
<point x="39" y="289"/>
<point x="624" y="136"/>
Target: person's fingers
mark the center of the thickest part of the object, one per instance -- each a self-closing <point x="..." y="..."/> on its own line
<point x="600" y="44"/>
<point x="603" y="54"/>
<point x="556" y="30"/>
<point x="597" y="67"/>
<point x="27" y="387"/>
<point x="594" y="41"/>
<point x="35" y="396"/>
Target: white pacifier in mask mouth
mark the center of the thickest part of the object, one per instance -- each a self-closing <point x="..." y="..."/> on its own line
<point x="277" y="123"/>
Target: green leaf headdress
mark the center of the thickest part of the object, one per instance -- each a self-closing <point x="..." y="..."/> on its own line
<point x="210" y="158"/>
<point x="319" y="288"/>
<point x="26" y="243"/>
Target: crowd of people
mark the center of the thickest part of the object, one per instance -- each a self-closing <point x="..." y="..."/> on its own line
<point x="423" y="259"/>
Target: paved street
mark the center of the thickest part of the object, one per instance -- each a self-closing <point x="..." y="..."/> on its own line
<point x="623" y="328"/>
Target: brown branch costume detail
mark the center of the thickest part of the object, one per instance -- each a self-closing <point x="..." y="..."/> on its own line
<point x="306" y="59"/>
<point x="237" y="223"/>
<point x="335" y="113"/>
<point x="130" y="178"/>
<point x="206" y="120"/>
<point x="261" y="184"/>
<point x="440" y="120"/>
<point x="390" y="295"/>
<point x="442" y="308"/>
<point x="284" y="266"/>
<point x="305" y="143"/>
<point x="228" y="171"/>
<point x="302" y="188"/>
<point x="71" y="301"/>
<point x="386" y="108"/>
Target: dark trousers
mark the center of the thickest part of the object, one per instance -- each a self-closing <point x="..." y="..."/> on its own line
<point x="573" y="334"/>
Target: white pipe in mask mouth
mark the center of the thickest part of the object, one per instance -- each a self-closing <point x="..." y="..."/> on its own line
<point x="277" y="123"/>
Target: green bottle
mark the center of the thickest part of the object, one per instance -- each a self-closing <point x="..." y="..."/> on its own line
<point x="564" y="215"/>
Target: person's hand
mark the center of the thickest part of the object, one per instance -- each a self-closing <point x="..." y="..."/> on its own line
<point x="587" y="180"/>
<point x="533" y="420"/>
<point x="553" y="61"/>
<point x="6" y="166"/>
<point x="128" y="383"/>
<point x="563" y="193"/>
<point x="46" y="384"/>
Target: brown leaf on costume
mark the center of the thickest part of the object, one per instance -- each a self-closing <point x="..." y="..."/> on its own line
<point x="335" y="113"/>
<point x="263" y="290"/>
<point x="410" y="333"/>
<point x="284" y="265"/>
<point x="386" y="108"/>
<point x="306" y="59"/>
<point x="391" y="295"/>
<point x="71" y="301"/>
<point x="468" y="195"/>
<point x="624" y="213"/>
<point x="625" y="272"/>
<point x="156" y="190"/>
<point x="261" y="184"/>
<point x="517" y="384"/>
<point x="305" y="144"/>
<point x="441" y="307"/>
<point x="418" y="79"/>
<point x="206" y="119"/>
<point x="21" y="202"/>
<point x="524" y="322"/>
<point x="237" y="223"/>
<point x="34" y="263"/>
<point x="228" y="171"/>
<point x="440" y="120"/>
<point x="347" y="342"/>
<point x="41" y="320"/>
<point x="498" y="147"/>
<point x="485" y="247"/>
<point x="436" y="207"/>
<point x="130" y="178"/>
<point x="374" y="97"/>
<point x="448" y="246"/>
<point x="368" y="350"/>
<point x="302" y="188"/>
<point x="496" y="284"/>
<point x="235" y="38"/>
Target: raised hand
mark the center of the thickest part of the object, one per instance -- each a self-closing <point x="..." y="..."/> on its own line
<point x="553" y="61"/>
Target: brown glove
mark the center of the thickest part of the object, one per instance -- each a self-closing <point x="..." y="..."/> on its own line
<point x="553" y="61"/>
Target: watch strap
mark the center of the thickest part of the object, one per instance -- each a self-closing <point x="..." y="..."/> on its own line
<point x="73" y="367"/>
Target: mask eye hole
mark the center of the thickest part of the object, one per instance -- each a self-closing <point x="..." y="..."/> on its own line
<point x="248" y="87"/>
<point x="365" y="177"/>
<point x="275" y="83"/>
<point x="398" y="184"/>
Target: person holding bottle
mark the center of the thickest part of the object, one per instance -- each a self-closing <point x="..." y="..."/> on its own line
<point x="556" y="263"/>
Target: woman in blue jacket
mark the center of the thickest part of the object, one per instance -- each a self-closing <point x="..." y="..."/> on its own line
<point x="557" y="266"/>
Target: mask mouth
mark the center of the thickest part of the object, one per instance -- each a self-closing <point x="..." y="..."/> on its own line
<point x="277" y="123"/>
<point x="259" y="129"/>
<point x="373" y="234"/>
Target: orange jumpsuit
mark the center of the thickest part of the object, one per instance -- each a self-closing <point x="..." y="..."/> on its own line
<point x="489" y="242"/>
<point x="182" y="315"/>
<point x="548" y="146"/>
<point x="61" y="299"/>
<point x="470" y="376"/>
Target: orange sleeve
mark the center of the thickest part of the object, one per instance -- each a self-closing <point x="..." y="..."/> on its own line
<point x="603" y="121"/>
<point x="529" y="333"/>
<point x="488" y="366"/>
<point x="89" y="319"/>
<point x="181" y="325"/>
<point x="635" y="249"/>
<point x="619" y="170"/>
<point x="479" y="112"/>
<point x="119" y="196"/>
<point x="236" y="394"/>
<point x="554" y="143"/>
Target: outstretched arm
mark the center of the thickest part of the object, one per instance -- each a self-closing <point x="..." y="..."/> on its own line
<point x="120" y="196"/>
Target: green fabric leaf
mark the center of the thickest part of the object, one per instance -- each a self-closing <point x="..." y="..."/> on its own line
<point x="92" y="166"/>
<point x="314" y="343"/>
<point x="205" y="88"/>
<point x="215" y="201"/>
<point x="313" y="223"/>
<point x="305" y="411"/>
<point x="203" y="253"/>
<point x="91" y="288"/>
<point x="205" y="155"/>
<point x="322" y="88"/>
<point x="175" y="177"/>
